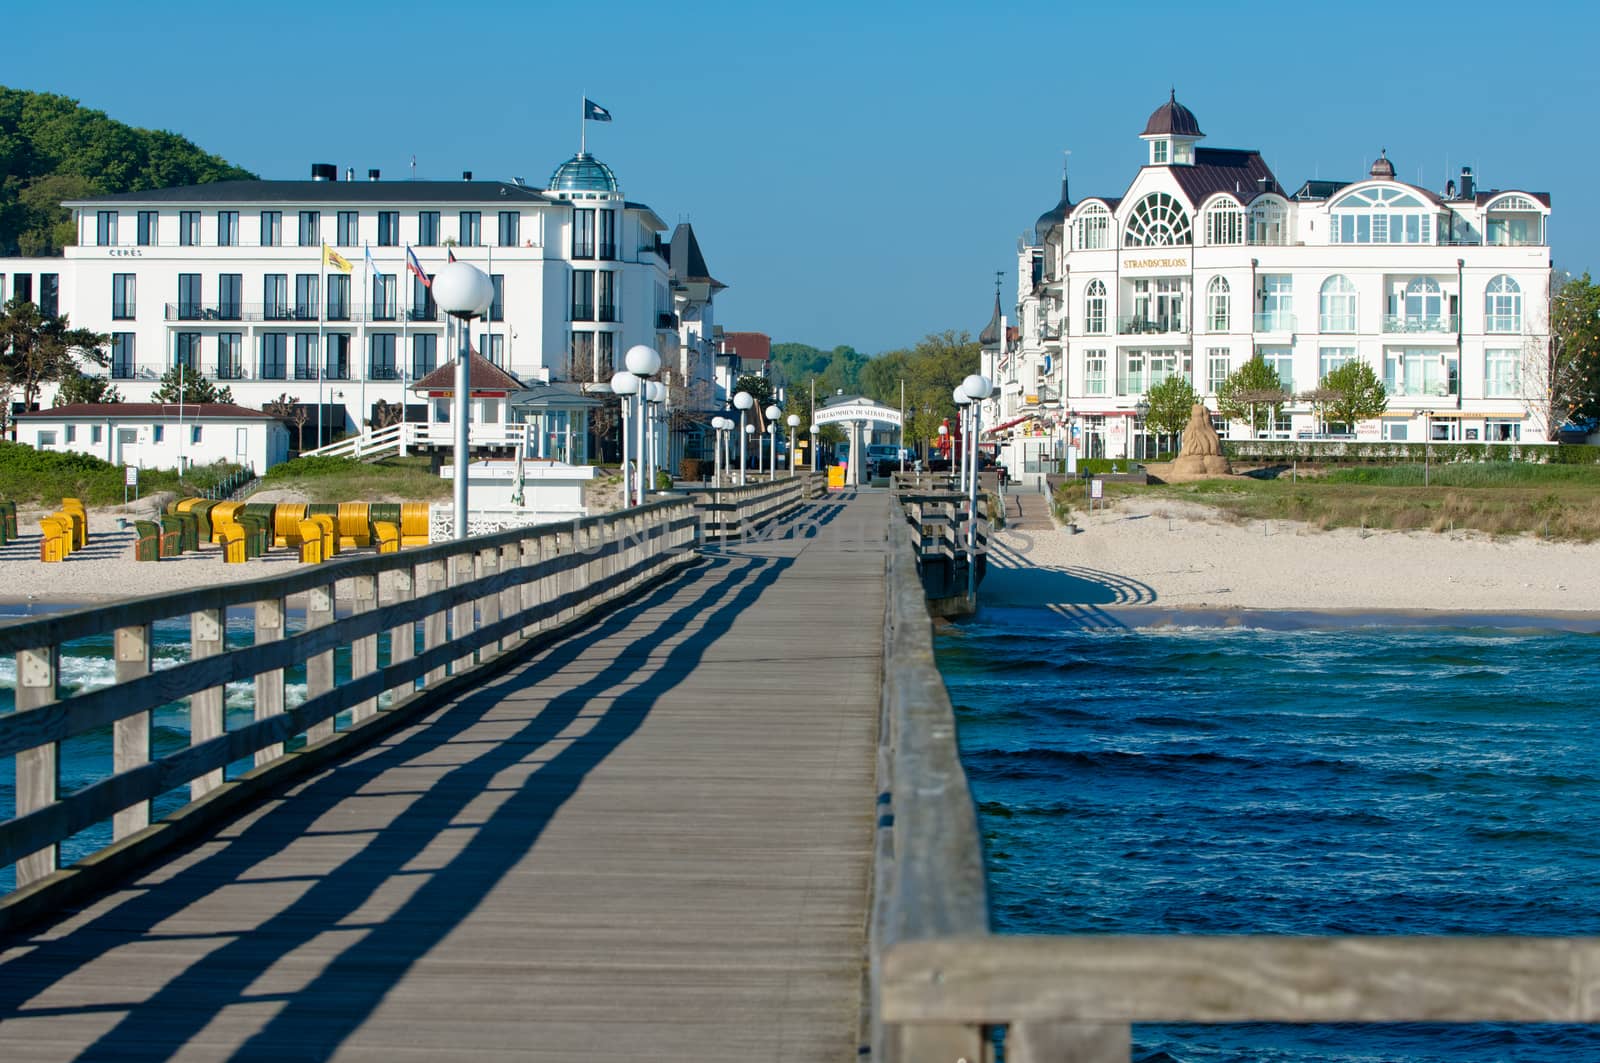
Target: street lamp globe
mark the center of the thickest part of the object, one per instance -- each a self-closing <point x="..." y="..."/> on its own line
<point x="642" y="360"/>
<point x="977" y="386"/>
<point x="773" y="413"/>
<point x="462" y="290"/>
<point x="750" y="430"/>
<point x="744" y="400"/>
<point x="794" y="420"/>
<point x="716" y="424"/>
<point x="944" y="429"/>
<point x="625" y="383"/>
<point x="655" y="391"/>
<point x="960" y="396"/>
<point x="816" y="429"/>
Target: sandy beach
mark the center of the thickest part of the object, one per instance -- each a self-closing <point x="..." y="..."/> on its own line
<point x="1164" y="554"/>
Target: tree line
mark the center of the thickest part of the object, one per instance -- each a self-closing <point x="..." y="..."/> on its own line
<point x="53" y="149"/>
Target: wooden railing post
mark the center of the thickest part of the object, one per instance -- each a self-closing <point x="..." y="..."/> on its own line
<point x="319" y="669"/>
<point x="489" y="605"/>
<point x="431" y="578"/>
<point x="943" y="1043"/>
<point x="461" y="617"/>
<point x="269" y="685"/>
<point x="403" y="638"/>
<point x="511" y="598"/>
<point x="205" y="706"/>
<point x="364" y="650"/>
<point x="130" y="736"/>
<point x="38" y="769"/>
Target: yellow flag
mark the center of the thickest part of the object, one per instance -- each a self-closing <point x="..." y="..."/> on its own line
<point x="332" y="258"/>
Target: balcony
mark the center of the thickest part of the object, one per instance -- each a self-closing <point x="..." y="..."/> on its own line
<point x="608" y="313"/>
<point x="1411" y="324"/>
<point x="1336" y="324"/>
<point x="1274" y="321"/>
<point x="252" y="313"/>
<point x="1145" y="324"/>
<point x="667" y="322"/>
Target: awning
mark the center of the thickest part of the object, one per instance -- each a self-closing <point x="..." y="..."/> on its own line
<point x="1003" y="425"/>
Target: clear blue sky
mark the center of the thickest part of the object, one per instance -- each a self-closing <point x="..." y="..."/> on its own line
<point x="855" y="172"/>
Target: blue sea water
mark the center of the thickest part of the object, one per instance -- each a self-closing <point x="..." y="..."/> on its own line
<point x="87" y="664"/>
<point x="1358" y="780"/>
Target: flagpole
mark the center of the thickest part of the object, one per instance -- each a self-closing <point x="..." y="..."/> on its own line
<point x="583" y="124"/>
<point x="405" y="332"/>
<point x="366" y="273"/>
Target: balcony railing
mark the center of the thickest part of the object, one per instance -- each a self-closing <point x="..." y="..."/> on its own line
<point x="1336" y="323"/>
<point x="273" y="312"/>
<point x="1503" y="324"/>
<point x="607" y="312"/>
<point x="1274" y="321"/>
<point x="1142" y="324"/>
<point x="1412" y="323"/>
<point x="667" y="321"/>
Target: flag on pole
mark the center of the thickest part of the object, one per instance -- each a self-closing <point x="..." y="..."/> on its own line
<point x="370" y="264"/>
<point x="415" y="267"/>
<point x="332" y="258"/>
<point x="449" y="255"/>
<point x="593" y="112"/>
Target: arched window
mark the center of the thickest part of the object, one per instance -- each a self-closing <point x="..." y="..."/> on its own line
<point x="1217" y="304"/>
<point x="1093" y="228"/>
<point x="1269" y="222"/>
<point x="1503" y="306"/>
<point x="1424" y="306"/>
<point x="1157" y="221"/>
<point x="1225" y="224"/>
<point x="1094" y="308"/>
<point x="1338" y="309"/>
<point x="1381" y="215"/>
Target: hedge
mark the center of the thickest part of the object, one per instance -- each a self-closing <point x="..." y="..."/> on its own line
<point x="1285" y="450"/>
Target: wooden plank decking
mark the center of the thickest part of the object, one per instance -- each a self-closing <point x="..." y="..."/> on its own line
<point x="651" y="841"/>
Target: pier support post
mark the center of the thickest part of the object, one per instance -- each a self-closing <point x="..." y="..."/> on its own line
<point x="403" y="639"/>
<point x="364" y="650"/>
<point x="462" y="616"/>
<point x="431" y="578"/>
<point x="319" y="668"/>
<point x="205" y="706"/>
<point x="38" y="769"/>
<point x="269" y="685"/>
<point x="1053" y="1042"/>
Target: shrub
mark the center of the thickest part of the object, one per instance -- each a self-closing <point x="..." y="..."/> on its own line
<point x="313" y="465"/>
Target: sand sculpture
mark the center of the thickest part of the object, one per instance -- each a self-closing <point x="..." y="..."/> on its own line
<point x="1201" y="453"/>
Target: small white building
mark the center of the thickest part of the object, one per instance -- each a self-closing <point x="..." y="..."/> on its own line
<point x="153" y="435"/>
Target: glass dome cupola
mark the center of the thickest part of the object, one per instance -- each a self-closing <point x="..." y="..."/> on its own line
<point x="584" y="176"/>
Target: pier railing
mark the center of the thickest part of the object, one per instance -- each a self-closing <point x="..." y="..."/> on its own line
<point x="453" y="611"/>
<point x="940" y="982"/>
<point x="733" y="512"/>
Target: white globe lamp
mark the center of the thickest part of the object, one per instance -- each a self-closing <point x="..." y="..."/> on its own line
<point x="463" y="291"/>
<point x="642" y="360"/>
<point x="744" y="400"/>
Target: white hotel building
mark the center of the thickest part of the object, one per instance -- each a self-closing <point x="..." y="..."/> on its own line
<point x="1205" y="261"/>
<point x="228" y="278"/>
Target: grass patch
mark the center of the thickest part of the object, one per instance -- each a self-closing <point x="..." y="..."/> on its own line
<point x="325" y="479"/>
<point x="1552" y="502"/>
<point x="29" y="476"/>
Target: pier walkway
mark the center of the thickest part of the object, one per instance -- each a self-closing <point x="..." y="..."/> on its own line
<point x="651" y="840"/>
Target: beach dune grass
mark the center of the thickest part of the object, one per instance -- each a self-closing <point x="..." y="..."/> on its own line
<point x="45" y="477"/>
<point x="325" y="479"/>
<point x="1546" y="501"/>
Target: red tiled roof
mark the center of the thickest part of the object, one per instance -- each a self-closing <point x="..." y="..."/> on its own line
<point x="751" y="346"/>
<point x="123" y="410"/>
<point x="482" y="375"/>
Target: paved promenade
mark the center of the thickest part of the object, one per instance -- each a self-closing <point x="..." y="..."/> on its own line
<point x="650" y="841"/>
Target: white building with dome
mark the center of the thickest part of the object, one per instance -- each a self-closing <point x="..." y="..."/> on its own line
<point x="228" y="278"/>
<point x="1205" y="261"/>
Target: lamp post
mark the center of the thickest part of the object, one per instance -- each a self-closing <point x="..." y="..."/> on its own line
<point x="744" y="445"/>
<point x="462" y="291"/>
<point x="643" y="361"/>
<point x="774" y="415"/>
<point x="1141" y="410"/>
<point x="964" y="409"/>
<point x="944" y="441"/>
<point x="816" y="447"/>
<point x="716" y="450"/>
<point x="794" y="422"/>
<point x="624" y="383"/>
<point x="977" y="388"/>
<point x="656" y="397"/>
<point x="743" y="400"/>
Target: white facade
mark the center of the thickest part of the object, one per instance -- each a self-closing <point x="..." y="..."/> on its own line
<point x="230" y="277"/>
<point x="1204" y="263"/>
<point x="154" y="436"/>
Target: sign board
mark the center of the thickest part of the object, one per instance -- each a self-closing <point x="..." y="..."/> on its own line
<point x="835" y="476"/>
<point x="862" y="410"/>
<point x="130" y="476"/>
<point x="1097" y="488"/>
<point x="1072" y="460"/>
<point x="1156" y="260"/>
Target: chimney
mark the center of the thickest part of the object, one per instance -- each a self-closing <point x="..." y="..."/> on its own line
<point x="372" y="175"/>
<point x="1449" y="190"/>
<point x="324" y="171"/>
<point x="349" y="173"/>
<point x="1466" y="182"/>
<point x="466" y="175"/>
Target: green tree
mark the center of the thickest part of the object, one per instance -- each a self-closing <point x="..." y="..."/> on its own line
<point x="759" y="387"/>
<point x="186" y="385"/>
<point x="931" y="370"/>
<point x="52" y="149"/>
<point x="1171" y="402"/>
<point x="1560" y="377"/>
<point x="36" y="348"/>
<point x="79" y="387"/>
<point x="1251" y="393"/>
<point x="1354" y="394"/>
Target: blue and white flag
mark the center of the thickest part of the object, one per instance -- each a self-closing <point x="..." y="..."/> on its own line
<point x="593" y="112"/>
<point x="373" y="266"/>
